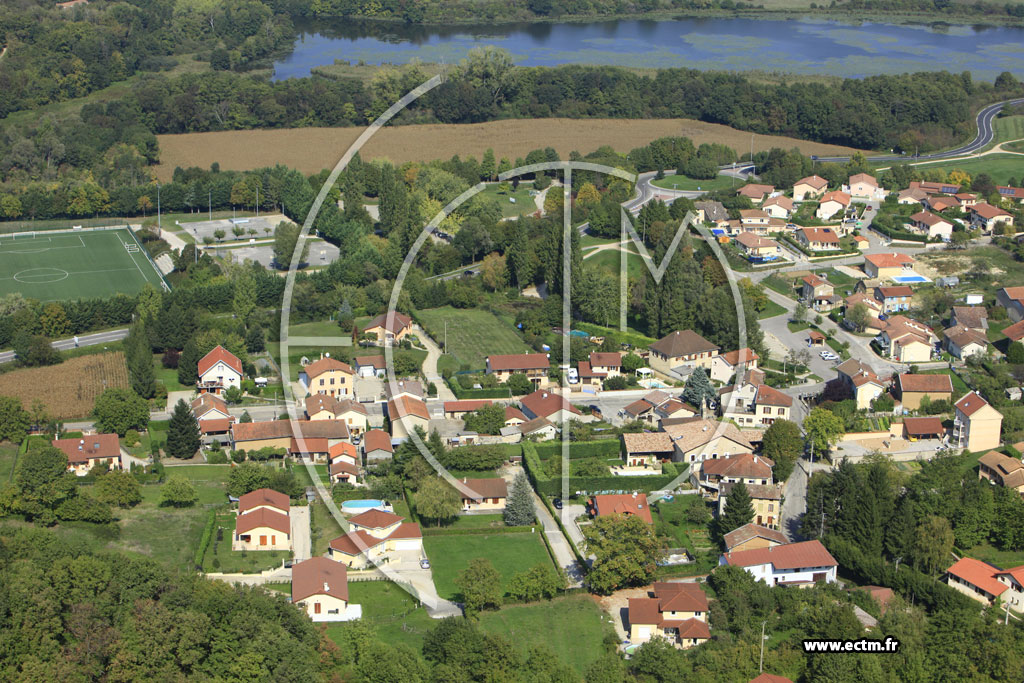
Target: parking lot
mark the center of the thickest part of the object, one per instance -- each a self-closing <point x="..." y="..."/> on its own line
<point x="252" y="227"/>
<point x="320" y="253"/>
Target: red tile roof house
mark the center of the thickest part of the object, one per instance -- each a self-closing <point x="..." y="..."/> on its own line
<point x="745" y="467"/>
<point x="987" y="217"/>
<point x="219" y="370"/>
<point x="607" y="362"/>
<point x="977" y="580"/>
<point x="551" y="406"/>
<point x="817" y="239"/>
<point x="1012" y="299"/>
<point x="675" y="611"/>
<point x="328" y="376"/>
<point x="885" y="266"/>
<point x="727" y="364"/>
<point x="320" y="587"/>
<point x="91" y="450"/>
<point x="681" y="347"/>
<point x="534" y="365"/>
<point x="261" y="499"/>
<point x="644" y="452"/>
<point x="407" y="413"/>
<point x="373" y="536"/>
<point x="485" y="495"/>
<point x="210" y="407"/>
<point x="389" y="328"/>
<point x="755" y="193"/>
<point x="621" y="504"/>
<point x="370" y="366"/>
<point x="894" y="299"/>
<point x="832" y="203"/>
<point x="1012" y="193"/>
<point x="810" y="187"/>
<point x="792" y="564"/>
<point x="262" y="528"/>
<point x="932" y="225"/>
<point x="457" y="410"/>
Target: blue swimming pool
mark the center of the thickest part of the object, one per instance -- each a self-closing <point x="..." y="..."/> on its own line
<point x="580" y="333"/>
<point x="908" y="279"/>
<point x="362" y="505"/>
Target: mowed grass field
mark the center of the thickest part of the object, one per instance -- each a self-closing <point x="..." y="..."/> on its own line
<point x="509" y="553"/>
<point x="313" y="149"/>
<point x="62" y="266"/>
<point x="503" y="192"/>
<point x="681" y="182"/>
<point x="69" y="389"/>
<point x="1001" y="167"/>
<point x="472" y="334"/>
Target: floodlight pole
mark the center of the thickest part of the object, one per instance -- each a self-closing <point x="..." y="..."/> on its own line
<point x="158" y="223"/>
<point x="209" y="199"/>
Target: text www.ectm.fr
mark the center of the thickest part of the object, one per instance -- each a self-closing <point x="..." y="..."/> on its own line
<point x="858" y="645"/>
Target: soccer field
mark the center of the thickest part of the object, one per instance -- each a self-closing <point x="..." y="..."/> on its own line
<point x="61" y="266"/>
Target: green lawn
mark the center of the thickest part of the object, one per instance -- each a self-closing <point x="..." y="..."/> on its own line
<point x="838" y="278"/>
<point x="323" y="527"/>
<point x="509" y="553"/>
<point x="167" y="376"/>
<point x="681" y="182"/>
<point x="167" y="535"/>
<point x="797" y="327"/>
<point x="472" y="334"/>
<point x="209" y="481"/>
<point x="611" y="260"/>
<point x="74" y="265"/>
<point x="320" y="328"/>
<point x="221" y="558"/>
<point x="572" y="627"/>
<point x="477" y="521"/>
<point x="771" y="310"/>
<point x="8" y="458"/>
<point x="1008" y="128"/>
<point x="1004" y="559"/>
<point x="523" y="205"/>
<point x="779" y="284"/>
<point x="589" y="240"/>
<point x="1000" y="167"/>
<point x="391" y="611"/>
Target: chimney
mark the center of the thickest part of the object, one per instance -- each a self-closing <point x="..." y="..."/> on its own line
<point x="326" y="587"/>
<point x="327" y="355"/>
<point x="634" y="495"/>
<point x="544" y="395"/>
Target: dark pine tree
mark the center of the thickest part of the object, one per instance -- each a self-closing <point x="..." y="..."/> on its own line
<point x="182" y="432"/>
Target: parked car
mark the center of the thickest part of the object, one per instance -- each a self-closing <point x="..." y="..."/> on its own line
<point x="557" y="502"/>
<point x="424" y="563"/>
<point x="595" y="410"/>
<point x="574" y="376"/>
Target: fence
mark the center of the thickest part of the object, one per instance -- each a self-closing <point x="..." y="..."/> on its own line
<point x="163" y="281"/>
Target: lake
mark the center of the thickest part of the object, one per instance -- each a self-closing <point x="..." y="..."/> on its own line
<point x="803" y="46"/>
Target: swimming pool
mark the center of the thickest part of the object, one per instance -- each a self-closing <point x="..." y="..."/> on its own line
<point x="354" y="506"/>
<point x="908" y="279"/>
<point x="580" y="333"/>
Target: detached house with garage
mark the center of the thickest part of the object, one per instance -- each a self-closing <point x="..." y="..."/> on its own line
<point x="675" y="611"/>
<point x="911" y="389"/>
<point x="935" y="227"/>
<point x="986" y="217"/>
<point x="864" y="186"/>
<point x="219" y="370"/>
<point x="406" y="413"/>
<point x="320" y="588"/>
<point x="375" y="536"/>
<point x="1002" y="470"/>
<point x="91" y="450"/>
<point x="977" y="425"/>
<point x="792" y="564"/>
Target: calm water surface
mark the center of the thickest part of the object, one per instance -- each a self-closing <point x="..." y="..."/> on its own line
<point x="805" y="46"/>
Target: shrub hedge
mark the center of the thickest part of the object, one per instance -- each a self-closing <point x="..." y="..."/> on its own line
<point x="580" y="449"/>
<point x="460" y="393"/>
<point x="549" y="486"/>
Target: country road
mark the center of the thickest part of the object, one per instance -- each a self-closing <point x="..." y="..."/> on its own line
<point x="83" y="340"/>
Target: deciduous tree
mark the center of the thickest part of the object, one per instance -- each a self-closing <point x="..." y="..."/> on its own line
<point x="625" y="552"/>
<point x="480" y="584"/>
<point x="436" y="500"/>
<point x="118" y="410"/>
<point x="178" y="492"/>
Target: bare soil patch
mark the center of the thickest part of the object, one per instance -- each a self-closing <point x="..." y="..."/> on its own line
<point x="69" y="389"/>
<point x="313" y="149"/>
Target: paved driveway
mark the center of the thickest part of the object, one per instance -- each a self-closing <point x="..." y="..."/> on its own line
<point x="302" y="545"/>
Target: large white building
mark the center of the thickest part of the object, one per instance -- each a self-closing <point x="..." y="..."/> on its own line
<point x="786" y="565"/>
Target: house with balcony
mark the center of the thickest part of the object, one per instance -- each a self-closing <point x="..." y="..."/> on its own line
<point x="676" y="611"/>
<point x="534" y="365"/>
<point x="792" y="564"/>
<point x="906" y="341"/>
<point x="977" y="425"/>
<point x="818" y="293"/>
<point x="986" y="217"/>
<point x="765" y="407"/>
<point x="219" y="370"/>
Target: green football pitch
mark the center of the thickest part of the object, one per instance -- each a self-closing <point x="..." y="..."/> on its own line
<point x="61" y="266"/>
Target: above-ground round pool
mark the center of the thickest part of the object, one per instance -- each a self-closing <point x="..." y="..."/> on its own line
<point x="357" y="506"/>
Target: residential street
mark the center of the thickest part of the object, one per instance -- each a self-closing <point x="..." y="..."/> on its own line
<point x="563" y="553"/>
<point x="444" y="393"/>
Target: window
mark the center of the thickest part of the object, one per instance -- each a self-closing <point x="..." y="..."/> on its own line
<point x="316" y="608"/>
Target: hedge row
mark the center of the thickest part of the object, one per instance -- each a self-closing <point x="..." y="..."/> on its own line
<point x="460" y="393"/>
<point x="898" y="234"/>
<point x="580" y="449"/>
<point x="204" y="542"/>
<point x="548" y="486"/>
<point x="442" y="531"/>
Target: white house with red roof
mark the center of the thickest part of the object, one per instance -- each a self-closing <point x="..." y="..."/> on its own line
<point x="976" y="425"/>
<point x="91" y="450"/>
<point x="978" y="580"/>
<point x="832" y="203"/>
<point x="375" y="535"/>
<point x="786" y="565"/>
<point x="552" y="407"/>
<point x="676" y="611"/>
<point x="534" y="365"/>
<point x="320" y="588"/>
<point x="725" y="365"/>
<point x="986" y="217"/>
<point x="219" y="370"/>
<point x="263" y="522"/>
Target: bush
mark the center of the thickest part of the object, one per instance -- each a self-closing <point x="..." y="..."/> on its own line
<point x="131" y="438"/>
<point x="580" y="449"/>
<point x="217" y="457"/>
<point x="170" y="359"/>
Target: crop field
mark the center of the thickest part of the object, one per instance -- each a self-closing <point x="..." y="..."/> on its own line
<point x="472" y="334"/>
<point x="68" y="389"/>
<point x="312" y="149"/>
<point x="59" y="266"/>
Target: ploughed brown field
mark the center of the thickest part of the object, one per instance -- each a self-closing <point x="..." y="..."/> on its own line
<point x="313" y="149"/>
<point x="70" y="388"/>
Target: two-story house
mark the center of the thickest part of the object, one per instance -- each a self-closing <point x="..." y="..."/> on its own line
<point x="675" y="611"/>
<point x="389" y="328"/>
<point x="405" y="414"/>
<point x="1012" y="299"/>
<point x="1002" y="470"/>
<point x="728" y="364"/>
<point x="534" y="365"/>
<point x="552" y="407"/>
<point x="818" y="293"/>
<point x="911" y="389"/>
<point x="906" y="341"/>
<point x="864" y="186"/>
<point x="786" y="565"/>
<point x="765" y="499"/>
<point x="986" y="217"/>
<point x="219" y="370"/>
<point x="963" y="342"/>
<point x="682" y="347"/>
<point x="862" y="382"/>
<point x="832" y="204"/>
<point x="608" y="363"/>
<point x="263" y="522"/>
<point x="375" y="536"/>
<point x="328" y="376"/>
<point x="699" y="439"/>
<point x="810" y="187"/>
<point x="894" y="298"/>
<point x="745" y="467"/>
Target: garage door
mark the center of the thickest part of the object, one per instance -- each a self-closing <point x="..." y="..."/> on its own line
<point x="408" y="544"/>
<point x="643" y="632"/>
